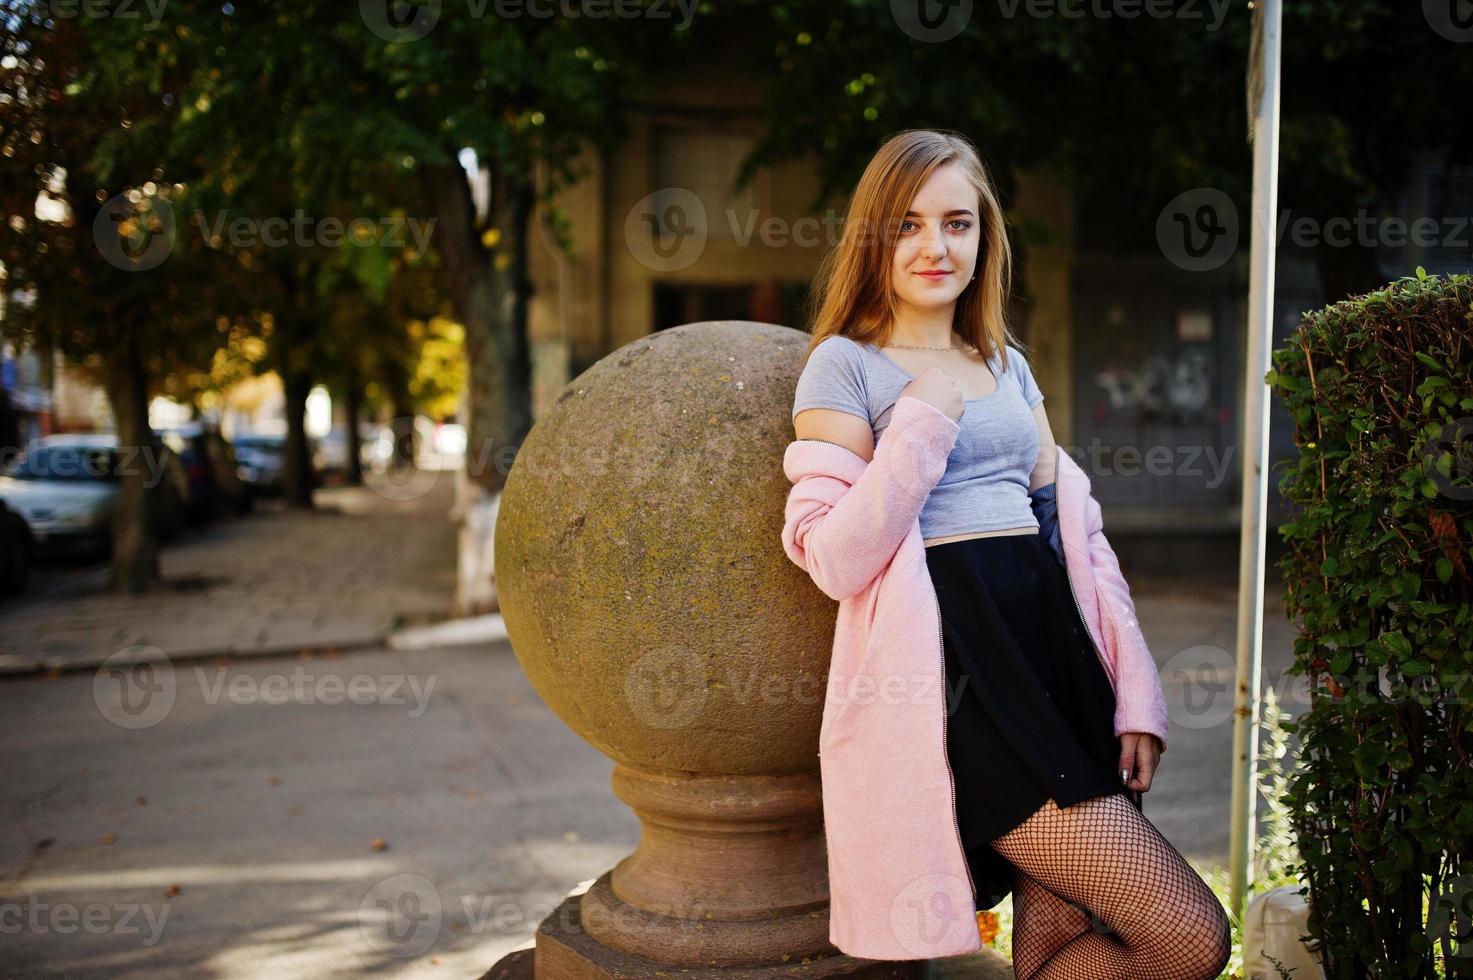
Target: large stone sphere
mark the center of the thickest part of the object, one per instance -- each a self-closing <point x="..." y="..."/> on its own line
<point x="639" y="563"/>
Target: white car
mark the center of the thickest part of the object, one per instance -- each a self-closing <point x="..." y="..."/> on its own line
<point x="66" y="489"/>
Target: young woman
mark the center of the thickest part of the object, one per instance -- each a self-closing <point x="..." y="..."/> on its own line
<point x="1047" y="795"/>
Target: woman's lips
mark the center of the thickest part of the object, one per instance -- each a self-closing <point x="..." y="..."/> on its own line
<point x="934" y="276"/>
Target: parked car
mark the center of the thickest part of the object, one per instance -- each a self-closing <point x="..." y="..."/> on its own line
<point x="66" y="488"/>
<point x="260" y="460"/>
<point x="67" y="491"/>
<point x="215" y="486"/>
<point x="16" y="548"/>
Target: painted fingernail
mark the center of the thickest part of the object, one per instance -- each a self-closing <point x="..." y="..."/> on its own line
<point x="1125" y="775"/>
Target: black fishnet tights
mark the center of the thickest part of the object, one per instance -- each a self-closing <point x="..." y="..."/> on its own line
<point x="1099" y="893"/>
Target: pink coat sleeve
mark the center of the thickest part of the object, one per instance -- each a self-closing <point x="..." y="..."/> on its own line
<point x="845" y="518"/>
<point x="1139" y="704"/>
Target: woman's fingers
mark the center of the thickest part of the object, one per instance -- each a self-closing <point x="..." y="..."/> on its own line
<point x="1138" y="758"/>
<point x="1145" y="764"/>
<point x="1127" y="764"/>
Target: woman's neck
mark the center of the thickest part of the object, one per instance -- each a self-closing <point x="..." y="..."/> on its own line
<point x="923" y="328"/>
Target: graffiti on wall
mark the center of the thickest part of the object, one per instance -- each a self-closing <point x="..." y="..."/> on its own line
<point x="1176" y="389"/>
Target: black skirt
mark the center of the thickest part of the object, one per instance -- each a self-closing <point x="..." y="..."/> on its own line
<point x="1030" y="709"/>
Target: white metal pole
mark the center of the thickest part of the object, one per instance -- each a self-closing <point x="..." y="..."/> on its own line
<point x="1255" y="464"/>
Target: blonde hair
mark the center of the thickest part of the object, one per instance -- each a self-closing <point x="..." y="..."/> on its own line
<point x="853" y="293"/>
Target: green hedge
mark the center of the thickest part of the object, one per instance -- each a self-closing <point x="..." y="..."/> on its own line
<point x="1377" y="575"/>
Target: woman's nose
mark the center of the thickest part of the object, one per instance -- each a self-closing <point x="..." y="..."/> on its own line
<point x="935" y="246"/>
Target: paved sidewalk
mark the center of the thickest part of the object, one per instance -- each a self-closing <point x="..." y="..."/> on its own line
<point x="275" y="581"/>
<point x="258" y="826"/>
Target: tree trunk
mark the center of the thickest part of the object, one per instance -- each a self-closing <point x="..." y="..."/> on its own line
<point x="491" y="294"/>
<point x="135" y="560"/>
<point x="401" y="427"/>
<point x="298" y="478"/>
<point x="353" y="408"/>
<point x="496" y="344"/>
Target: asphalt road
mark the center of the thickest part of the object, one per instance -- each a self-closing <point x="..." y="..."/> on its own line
<point x="410" y="813"/>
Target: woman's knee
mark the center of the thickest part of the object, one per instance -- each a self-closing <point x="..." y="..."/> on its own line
<point x="1193" y="938"/>
<point x="1206" y="942"/>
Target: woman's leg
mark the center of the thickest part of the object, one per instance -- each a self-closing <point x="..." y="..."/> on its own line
<point x="1042" y="923"/>
<point x="1105" y="855"/>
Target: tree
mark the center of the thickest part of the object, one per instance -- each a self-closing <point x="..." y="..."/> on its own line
<point x="1129" y="110"/>
<point x="358" y="104"/>
<point x="106" y="281"/>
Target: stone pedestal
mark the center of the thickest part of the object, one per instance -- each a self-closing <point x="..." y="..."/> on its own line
<point x="641" y="575"/>
<point x="571" y="954"/>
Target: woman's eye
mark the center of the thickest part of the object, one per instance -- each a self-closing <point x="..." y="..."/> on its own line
<point x="965" y="224"/>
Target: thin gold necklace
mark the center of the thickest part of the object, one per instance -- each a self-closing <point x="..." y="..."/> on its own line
<point x="917" y="347"/>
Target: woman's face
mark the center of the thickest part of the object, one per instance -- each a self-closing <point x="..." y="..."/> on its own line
<point x="940" y="234"/>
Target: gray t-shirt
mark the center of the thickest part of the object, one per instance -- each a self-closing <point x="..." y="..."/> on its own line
<point x="985" y="486"/>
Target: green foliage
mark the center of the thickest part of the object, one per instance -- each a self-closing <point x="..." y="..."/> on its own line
<point x="1276" y="855"/>
<point x="1026" y="88"/>
<point x="1377" y="574"/>
<point x="82" y="129"/>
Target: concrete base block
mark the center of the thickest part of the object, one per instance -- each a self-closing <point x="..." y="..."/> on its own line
<point x="1272" y="926"/>
<point x="564" y="951"/>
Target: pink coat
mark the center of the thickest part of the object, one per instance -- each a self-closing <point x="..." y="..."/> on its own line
<point x="899" y="886"/>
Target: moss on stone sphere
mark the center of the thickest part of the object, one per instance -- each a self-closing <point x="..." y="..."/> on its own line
<point x="639" y="562"/>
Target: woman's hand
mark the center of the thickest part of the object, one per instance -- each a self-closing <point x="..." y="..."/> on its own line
<point x="1139" y="754"/>
<point x="939" y="390"/>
